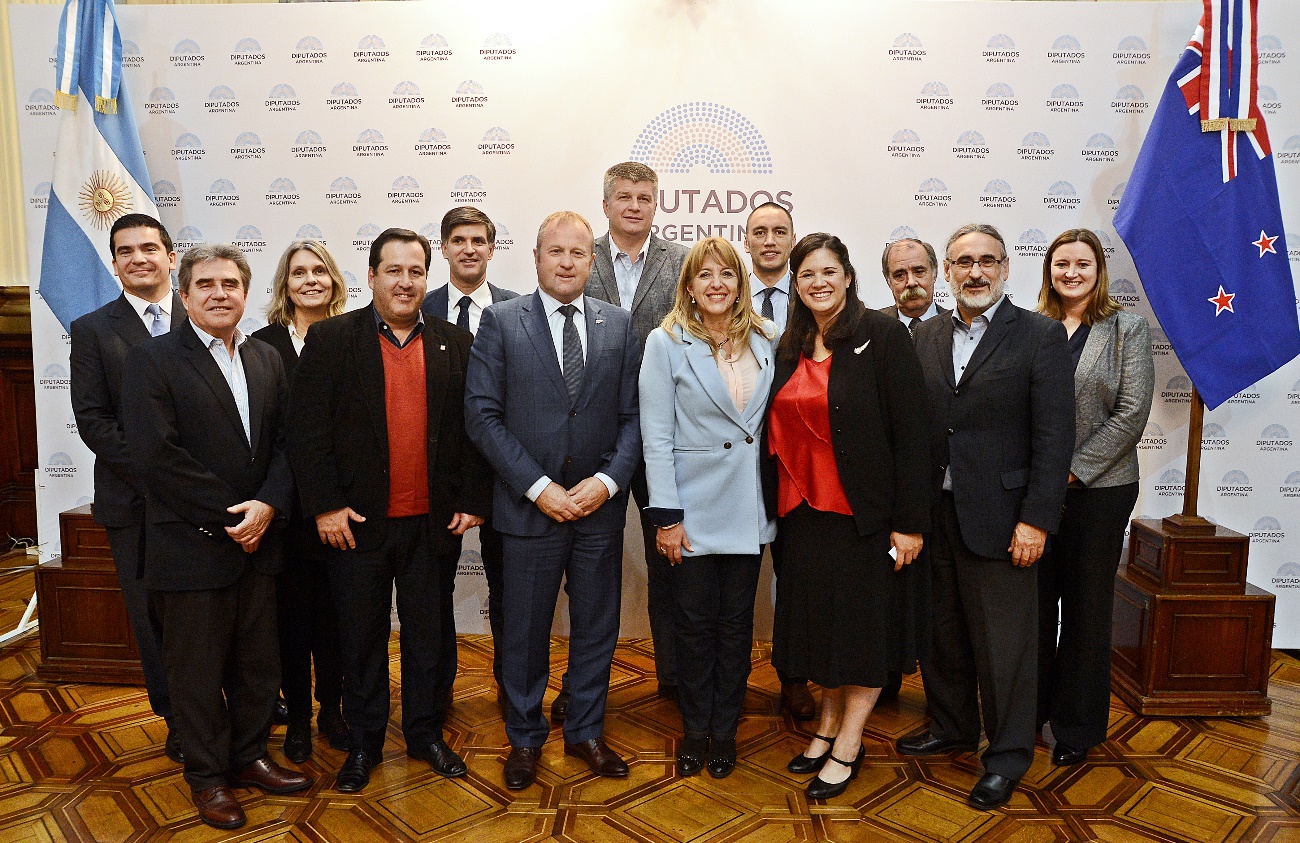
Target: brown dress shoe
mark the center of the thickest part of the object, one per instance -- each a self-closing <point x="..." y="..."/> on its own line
<point x="796" y="699"/>
<point x="600" y="758"/>
<point x="521" y="767"/>
<point x="218" y="807"/>
<point x="271" y="777"/>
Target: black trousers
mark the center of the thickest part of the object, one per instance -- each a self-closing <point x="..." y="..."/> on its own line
<point x="775" y="549"/>
<point x="447" y="564"/>
<point x="127" y="546"/>
<point x="309" y="627"/>
<point x="1076" y="584"/>
<point x="223" y="666"/>
<point x="984" y="653"/>
<point x="362" y="583"/>
<point x="715" y="636"/>
<point x="661" y="606"/>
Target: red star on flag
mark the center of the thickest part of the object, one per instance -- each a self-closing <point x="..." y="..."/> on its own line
<point x="1222" y="302"/>
<point x="1265" y="244"/>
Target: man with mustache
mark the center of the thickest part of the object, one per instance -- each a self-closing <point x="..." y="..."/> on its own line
<point x="1000" y="382"/>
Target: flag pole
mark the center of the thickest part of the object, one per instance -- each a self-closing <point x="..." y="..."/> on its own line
<point x="1188" y="522"/>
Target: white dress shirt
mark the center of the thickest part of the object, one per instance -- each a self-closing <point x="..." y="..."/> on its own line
<point x="232" y="369"/>
<point x="147" y="318"/>
<point x="627" y="271"/>
<point x="930" y="312"/>
<point x="479" y="300"/>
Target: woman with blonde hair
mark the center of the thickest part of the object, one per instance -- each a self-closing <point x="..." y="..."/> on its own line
<point x="307" y="288"/>
<point x="704" y="384"/>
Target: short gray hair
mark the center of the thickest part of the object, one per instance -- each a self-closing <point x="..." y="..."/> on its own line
<point x="929" y="253"/>
<point x="633" y="171"/>
<point x="976" y="228"/>
<point x="209" y="252"/>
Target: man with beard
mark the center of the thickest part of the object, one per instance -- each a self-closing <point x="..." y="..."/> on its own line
<point x="1000" y="382"/>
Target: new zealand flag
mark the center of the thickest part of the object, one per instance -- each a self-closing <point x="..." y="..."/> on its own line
<point x="1202" y="219"/>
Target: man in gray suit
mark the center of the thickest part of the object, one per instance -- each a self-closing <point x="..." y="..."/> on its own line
<point x="551" y="401"/>
<point x="1000" y="381"/>
<point x="910" y="268"/>
<point x="143" y="261"/>
<point x="638" y="271"/>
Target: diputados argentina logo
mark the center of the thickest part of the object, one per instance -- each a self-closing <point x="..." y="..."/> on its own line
<point x="405" y="191"/>
<point x="497" y="47"/>
<point x="1100" y="148"/>
<point x="1267" y="530"/>
<point x="935" y="97"/>
<point x="997" y="194"/>
<point x="1061" y="196"/>
<point x="970" y="144"/>
<point x="365" y="235"/>
<point x="1125" y="292"/>
<point x="1178" y="390"/>
<point x="1275" y="437"/>
<point x="309" y="50"/>
<point x="1153" y="438"/>
<point x="1270" y="50"/>
<point x="1214" y="437"/>
<point x="1065" y="99"/>
<point x="468" y="189"/>
<point x="370" y="49"/>
<point x="496" y="141"/>
<point x="40" y="198"/>
<point x="282" y="192"/>
<point x="1000" y="97"/>
<point x="1290" y="487"/>
<point x="221" y="100"/>
<point x="370" y="144"/>
<point x="1112" y="201"/>
<point x="188" y="147"/>
<point x="187" y="53"/>
<point x="187" y="238"/>
<point x="1129" y="100"/>
<point x="60" y="465"/>
<point x="469" y="94"/>
<point x="343" y="191"/>
<point x="131" y="55"/>
<point x="161" y="101"/>
<point x="41" y="103"/>
<point x="1066" y="50"/>
<point x="1000" y="50"/>
<point x="249" y="238"/>
<point x="906" y="47"/>
<point x="222" y="194"/>
<point x="247" y="52"/>
<point x="1293" y="394"/>
<point x="1170" y="484"/>
<point x="406" y="95"/>
<point x="1032" y="243"/>
<point x="432" y="142"/>
<point x="433" y="48"/>
<point x="248" y="147"/>
<point x="1288" y="576"/>
<point x="1269" y="102"/>
<point x="905" y="144"/>
<point x="933" y="193"/>
<point x="343" y="97"/>
<point x="282" y="98"/>
<point x="308" y="144"/>
<point x="55" y="376"/>
<point x="1235" y="484"/>
<point x="1131" y="50"/>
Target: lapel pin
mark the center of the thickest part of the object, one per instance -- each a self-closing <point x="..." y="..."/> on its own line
<point x="862" y="347"/>
<point x="442" y="347"/>
<point x="600" y="321"/>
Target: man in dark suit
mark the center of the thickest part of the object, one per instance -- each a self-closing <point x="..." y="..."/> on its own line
<point x="468" y="243"/>
<point x="910" y="268"/>
<point x="202" y="408"/>
<point x="143" y="261"/>
<point x="552" y="402"/>
<point x="377" y="442"/>
<point x="1000" y="381"/>
<point x="638" y="271"/>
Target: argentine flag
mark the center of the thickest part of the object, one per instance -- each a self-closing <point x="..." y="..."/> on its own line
<point x="99" y="170"/>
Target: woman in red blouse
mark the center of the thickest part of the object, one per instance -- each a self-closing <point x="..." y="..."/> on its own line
<point x="850" y="467"/>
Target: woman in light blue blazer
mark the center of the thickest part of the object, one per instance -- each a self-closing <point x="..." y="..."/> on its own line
<point x="1113" y="381"/>
<point x="705" y="379"/>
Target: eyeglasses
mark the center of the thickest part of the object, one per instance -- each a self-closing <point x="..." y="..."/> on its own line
<point x="965" y="264"/>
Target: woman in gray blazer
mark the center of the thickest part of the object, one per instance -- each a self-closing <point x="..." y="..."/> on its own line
<point x="705" y="379"/>
<point x="1113" y="380"/>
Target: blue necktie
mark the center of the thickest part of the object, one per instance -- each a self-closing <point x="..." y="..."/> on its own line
<point x="768" y="313"/>
<point x="462" y="319"/>
<point x="156" y="328"/>
<point x="573" y="362"/>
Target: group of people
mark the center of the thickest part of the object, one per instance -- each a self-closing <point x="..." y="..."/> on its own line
<point x="927" y="494"/>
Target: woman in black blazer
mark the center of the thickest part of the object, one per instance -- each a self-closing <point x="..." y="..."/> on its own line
<point x="849" y="478"/>
<point x="308" y="287"/>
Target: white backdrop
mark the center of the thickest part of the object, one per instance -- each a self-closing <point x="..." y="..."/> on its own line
<point x="870" y="120"/>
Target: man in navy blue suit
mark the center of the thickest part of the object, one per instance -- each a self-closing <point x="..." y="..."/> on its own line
<point x="551" y="401"/>
<point x="468" y="243"/>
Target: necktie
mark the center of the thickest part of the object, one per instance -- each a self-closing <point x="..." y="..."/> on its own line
<point x="911" y="326"/>
<point x="156" y="327"/>
<point x="767" y="311"/>
<point x="462" y="320"/>
<point x="573" y="364"/>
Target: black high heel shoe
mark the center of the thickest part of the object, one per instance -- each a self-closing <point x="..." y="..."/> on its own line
<point x="690" y="755"/>
<point x="722" y="757"/>
<point x="801" y="764"/>
<point x="818" y="789"/>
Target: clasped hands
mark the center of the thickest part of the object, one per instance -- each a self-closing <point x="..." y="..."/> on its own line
<point x="335" y="527"/>
<point x="582" y="500"/>
<point x="249" y="532"/>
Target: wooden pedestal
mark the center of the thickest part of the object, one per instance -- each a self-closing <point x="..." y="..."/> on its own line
<point x="85" y="633"/>
<point x="1190" y="637"/>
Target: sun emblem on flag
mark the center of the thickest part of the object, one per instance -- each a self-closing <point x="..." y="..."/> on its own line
<point x="104" y="198"/>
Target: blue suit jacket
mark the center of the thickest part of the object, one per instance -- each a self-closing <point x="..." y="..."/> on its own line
<point x="702" y="455"/>
<point x="435" y="302"/>
<point x="518" y="412"/>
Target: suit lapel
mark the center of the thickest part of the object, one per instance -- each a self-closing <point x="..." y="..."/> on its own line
<point x="497" y="293"/>
<point x="258" y="379"/>
<point x="201" y="359"/>
<point x="993" y="336"/>
<point x="1099" y="338"/>
<point x="370" y="366"/>
<point x="602" y="273"/>
<point x="438" y="301"/>
<point x="941" y="348"/>
<point x="436" y="369"/>
<point x="127" y="323"/>
<point x="766" y="358"/>
<point x="596" y="342"/>
<point x="654" y="257"/>
<point x="705" y="367"/>
<point x="179" y="316"/>
<point x="538" y="330"/>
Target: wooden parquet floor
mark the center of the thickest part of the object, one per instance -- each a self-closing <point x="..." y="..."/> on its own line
<point x="85" y="763"/>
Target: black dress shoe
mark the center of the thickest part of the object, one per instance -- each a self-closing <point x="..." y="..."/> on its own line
<point x="560" y="706"/>
<point x="991" y="791"/>
<point x="269" y="776"/>
<point x="354" y="775"/>
<point x="297" y="742"/>
<point x="820" y="789"/>
<point x="691" y="755"/>
<point x="722" y="757"/>
<point x="521" y="767"/>
<point x="280" y="715"/>
<point x="335" y="729"/>
<point x="602" y="760"/>
<point x="802" y="764"/>
<point x="1064" y="756"/>
<point x="927" y="744"/>
<point x="442" y="758"/>
<point x="172" y="748"/>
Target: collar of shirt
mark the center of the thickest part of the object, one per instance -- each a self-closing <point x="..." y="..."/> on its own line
<point x="552" y="304"/>
<point x="480" y="298"/>
<point x="782" y="285"/>
<point x="140" y="304"/>
<point x="298" y="342"/>
<point x="207" y="339"/>
<point x="387" y="332"/>
<point x="615" y="251"/>
<point x="987" y="315"/>
<point x="930" y="312"/>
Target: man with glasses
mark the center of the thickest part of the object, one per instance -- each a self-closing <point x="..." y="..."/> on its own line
<point x="1000" y="381"/>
